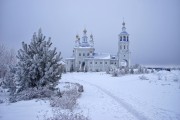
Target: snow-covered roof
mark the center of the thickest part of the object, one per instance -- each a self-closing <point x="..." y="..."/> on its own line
<point x="105" y="56"/>
<point x="114" y="57"/>
<point x="62" y="62"/>
<point x="124" y="33"/>
<point x="84" y="47"/>
<point x="100" y="56"/>
<point x="85" y="44"/>
<point x="70" y="58"/>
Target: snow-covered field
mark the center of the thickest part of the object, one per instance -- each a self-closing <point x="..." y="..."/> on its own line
<point x="112" y="98"/>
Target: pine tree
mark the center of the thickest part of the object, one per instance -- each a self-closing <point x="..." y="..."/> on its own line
<point x="38" y="65"/>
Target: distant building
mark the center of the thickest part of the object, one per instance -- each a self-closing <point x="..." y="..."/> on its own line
<point x="84" y="57"/>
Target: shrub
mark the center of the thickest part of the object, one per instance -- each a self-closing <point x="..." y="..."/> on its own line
<point x="131" y="71"/>
<point x="58" y="115"/>
<point x="115" y="73"/>
<point x="1" y="101"/>
<point x="159" y="76"/>
<point x="175" y="79"/>
<point x="32" y="93"/>
<point x="68" y="99"/>
<point x="143" y="77"/>
<point x="152" y="70"/>
<point x="108" y="70"/>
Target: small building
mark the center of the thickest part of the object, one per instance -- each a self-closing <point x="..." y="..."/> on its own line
<point x="84" y="57"/>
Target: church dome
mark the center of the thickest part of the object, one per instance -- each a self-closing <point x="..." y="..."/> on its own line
<point x="124" y="29"/>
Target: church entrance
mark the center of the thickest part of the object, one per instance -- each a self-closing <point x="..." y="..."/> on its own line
<point x="83" y="66"/>
<point x="124" y="63"/>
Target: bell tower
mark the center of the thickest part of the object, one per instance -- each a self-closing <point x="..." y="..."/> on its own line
<point x="123" y="48"/>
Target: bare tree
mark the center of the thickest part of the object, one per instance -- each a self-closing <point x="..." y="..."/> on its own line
<point x="7" y="58"/>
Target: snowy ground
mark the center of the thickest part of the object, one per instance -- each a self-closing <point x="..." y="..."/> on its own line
<point x="113" y="98"/>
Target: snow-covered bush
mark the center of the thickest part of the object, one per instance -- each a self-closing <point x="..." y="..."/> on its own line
<point x="118" y="71"/>
<point x="146" y="70"/>
<point x="115" y="73"/>
<point x="121" y="71"/>
<point x="159" y="76"/>
<point x="58" y="115"/>
<point x="126" y="70"/>
<point x="38" y="65"/>
<point x="143" y="77"/>
<point x="32" y="93"/>
<point x="1" y="101"/>
<point x="68" y="99"/>
<point x="175" y="79"/>
<point x="136" y="66"/>
<point x="79" y="87"/>
<point x="108" y="70"/>
<point x="140" y="70"/>
<point x="152" y="70"/>
<point x="131" y="71"/>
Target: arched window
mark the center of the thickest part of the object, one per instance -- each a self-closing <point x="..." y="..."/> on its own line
<point x="124" y="38"/>
<point x="127" y="38"/>
<point x="121" y="38"/>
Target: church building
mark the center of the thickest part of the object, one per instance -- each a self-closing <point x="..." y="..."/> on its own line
<point x="84" y="57"/>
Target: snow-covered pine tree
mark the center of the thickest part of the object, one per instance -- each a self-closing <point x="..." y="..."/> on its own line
<point x="38" y="65"/>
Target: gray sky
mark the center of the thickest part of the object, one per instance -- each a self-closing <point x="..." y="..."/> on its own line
<point x="153" y="25"/>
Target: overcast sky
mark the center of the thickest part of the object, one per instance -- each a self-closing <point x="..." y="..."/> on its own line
<point x="153" y="25"/>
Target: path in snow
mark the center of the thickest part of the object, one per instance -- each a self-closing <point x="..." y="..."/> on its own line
<point x="124" y="104"/>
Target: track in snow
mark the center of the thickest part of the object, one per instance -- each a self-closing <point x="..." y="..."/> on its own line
<point x="127" y="106"/>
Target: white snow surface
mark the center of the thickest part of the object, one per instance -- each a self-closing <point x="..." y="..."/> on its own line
<point x="112" y="98"/>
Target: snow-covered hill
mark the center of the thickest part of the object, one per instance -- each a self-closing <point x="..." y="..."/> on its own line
<point x="113" y="98"/>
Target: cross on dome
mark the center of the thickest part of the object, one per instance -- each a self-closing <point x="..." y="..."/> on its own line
<point x="123" y="28"/>
<point x="77" y="36"/>
<point x="85" y="31"/>
<point x="91" y="36"/>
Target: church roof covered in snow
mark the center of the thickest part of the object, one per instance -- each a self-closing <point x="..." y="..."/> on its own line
<point x="105" y="56"/>
<point x="71" y="58"/>
<point x="102" y="56"/>
<point x="124" y="33"/>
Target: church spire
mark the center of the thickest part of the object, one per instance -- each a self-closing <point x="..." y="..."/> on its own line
<point x="123" y="28"/>
<point x="77" y="42"/>
<point x="85" y="39"/>
<point x="91" y="41"/>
